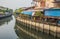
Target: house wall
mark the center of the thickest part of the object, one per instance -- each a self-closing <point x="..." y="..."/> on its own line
<point x="49" y="3"/>
<point x="57" y="3"/>
<point x="43" y="3"/>
<point x="39" y="4"/>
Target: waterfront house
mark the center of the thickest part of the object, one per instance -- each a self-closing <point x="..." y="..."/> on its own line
<point x="39" y="3"/>
<point x="47" y="3"/>
<point x="53" y="12"/>
<point x="3" y="8"/>
<point x="52" y="4"/>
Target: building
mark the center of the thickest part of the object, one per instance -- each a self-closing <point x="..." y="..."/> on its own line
<point x="47" y="3"/>
<point x="44" y="3"/>
<point x="39" y="4"/>
<point x="3" y="8"/>
<point x="53" y="4"/>
<point x="57" y="3"/>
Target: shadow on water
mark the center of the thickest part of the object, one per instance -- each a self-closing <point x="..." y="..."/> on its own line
<point x="5" y="20"/>
<point x="7" y="28"/>
<point x="24" y="33"/>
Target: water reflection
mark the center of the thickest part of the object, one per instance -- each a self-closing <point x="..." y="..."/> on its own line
<point x="7" y="28"/>
<point x="22" y="35"/>
<point x="27" y="33"/>
<point x="5" y="20"/>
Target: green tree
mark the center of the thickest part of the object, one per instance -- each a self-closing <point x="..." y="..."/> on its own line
<point x="2" y="11"/>
<point x="18" y="10"/>
<point x="39" y="13"/>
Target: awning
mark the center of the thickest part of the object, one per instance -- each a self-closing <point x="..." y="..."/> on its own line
<point x="27" y="12"/>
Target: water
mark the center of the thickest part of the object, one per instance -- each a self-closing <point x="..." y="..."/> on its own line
<point x="10" y="30"/>
<point x="7" y="28"/>
<point x="24" y="32"/>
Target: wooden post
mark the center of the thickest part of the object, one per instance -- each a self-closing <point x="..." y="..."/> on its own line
<point x="43" y="26"/>
<point x="56" y="28"/>
<point x="49" y="28"/>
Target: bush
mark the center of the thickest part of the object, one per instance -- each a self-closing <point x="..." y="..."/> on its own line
<point x="39" y="13"/>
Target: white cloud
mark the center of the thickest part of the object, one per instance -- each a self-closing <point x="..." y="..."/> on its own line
<point x="15" y="3"/>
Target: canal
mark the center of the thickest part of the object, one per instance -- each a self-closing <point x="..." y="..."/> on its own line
<point x="24" y="32"/>
<point x="7" y="28"/>
<point x="11" y="29"/>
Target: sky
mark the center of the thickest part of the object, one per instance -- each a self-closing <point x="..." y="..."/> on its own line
<point x="14" y="4"/>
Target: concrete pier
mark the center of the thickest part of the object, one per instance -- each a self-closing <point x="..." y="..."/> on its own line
<point x="45" y="28"/>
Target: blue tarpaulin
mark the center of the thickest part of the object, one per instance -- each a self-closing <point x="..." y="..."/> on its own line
<point x="27" y="12"/>
<point x="52" y="12"/>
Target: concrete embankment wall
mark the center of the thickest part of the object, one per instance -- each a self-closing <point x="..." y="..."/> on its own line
<point x="45" y="28"/>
